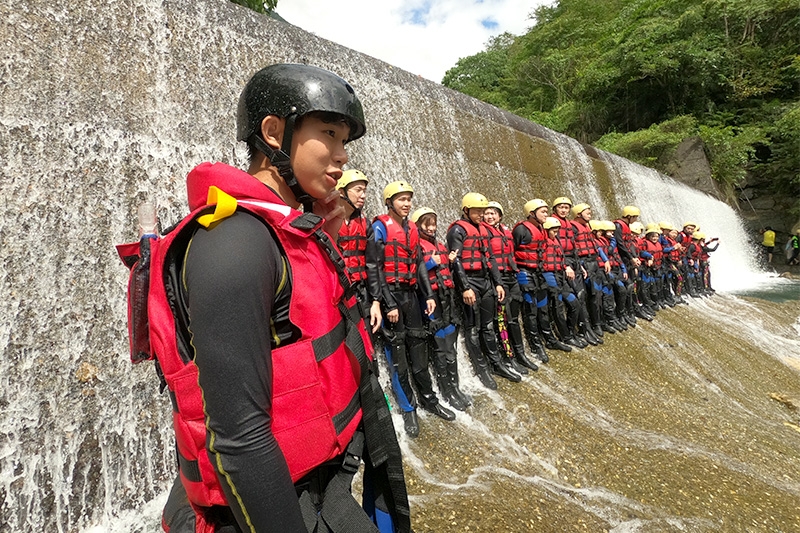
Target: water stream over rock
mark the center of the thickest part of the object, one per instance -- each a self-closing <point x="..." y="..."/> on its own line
<point x="686" y="424"/>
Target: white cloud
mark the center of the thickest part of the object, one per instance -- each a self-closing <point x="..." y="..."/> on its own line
<point x="425" y="37"/>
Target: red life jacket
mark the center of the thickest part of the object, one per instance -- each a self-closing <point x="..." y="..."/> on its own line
<point x="501" y="242"/>
<point x="693" y="251"/>
<point x="315" y="402"/>
<point x="654" y="249"/>
<point x="566" y="235"/>
<point x="584" y="240"/>
<point x="704" y="255"/>
<point x="529" y="254"/>
<point x="553" y="258"/>
<point x="352" y="243"/>
<point x="673" y="255"/>
<point x="400" y="251"/>
<point x="475" y="254"/>
<point x="627" y="235"/>
<point x="636" y="245"/>
<point x="442" y="272"/>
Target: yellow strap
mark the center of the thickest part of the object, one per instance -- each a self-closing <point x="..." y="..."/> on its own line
<point x="226" y="206"/>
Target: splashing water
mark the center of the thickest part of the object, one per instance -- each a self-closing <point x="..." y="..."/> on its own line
<point x="667" y="427"/>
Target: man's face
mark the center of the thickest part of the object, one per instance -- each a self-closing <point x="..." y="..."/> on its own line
<point x="652" y="237"/>
<point x="586" y="214"/>
<point x="402" y="203"/>
<point x="562" y="210"/>
<point x="318" y="155"/>
<point x="688" y="230"/>
<point x="540" y="214"/>
<point x="357" y="193"/>
<point x="475" y="214"/>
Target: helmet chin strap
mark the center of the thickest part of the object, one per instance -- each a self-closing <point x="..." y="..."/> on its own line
<point x="280" y="159"/>
<point x="356" y="211"/>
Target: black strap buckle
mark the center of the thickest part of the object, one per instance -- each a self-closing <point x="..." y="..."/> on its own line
<point x="352" y="456"/>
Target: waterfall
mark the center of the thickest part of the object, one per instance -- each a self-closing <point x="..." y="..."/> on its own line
<point x="108" y="104"/>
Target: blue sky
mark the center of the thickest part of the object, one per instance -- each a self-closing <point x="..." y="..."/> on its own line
<point x="425" y="37"/>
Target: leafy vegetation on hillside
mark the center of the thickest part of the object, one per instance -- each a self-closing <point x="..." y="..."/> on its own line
<point x="260" y="6"/>
<point x="636" y="77"/>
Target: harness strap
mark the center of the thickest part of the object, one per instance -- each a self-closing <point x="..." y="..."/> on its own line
<point x="381" y="440"/>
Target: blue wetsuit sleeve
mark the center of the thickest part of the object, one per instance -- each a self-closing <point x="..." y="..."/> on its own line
<point x="602" y="255"/>
<point x="386" y="298"/>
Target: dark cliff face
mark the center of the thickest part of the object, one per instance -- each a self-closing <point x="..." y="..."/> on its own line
<point x="754" y="199"/>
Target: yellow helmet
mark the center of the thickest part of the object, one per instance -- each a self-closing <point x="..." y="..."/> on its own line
<point x="652" y="228"/>
<point x="496" y="205"/>
<point x="396" y="187"/>
<point x="533" y="205"/>
<point x="561" y="200"/>
<point x="474" y="199"/>
<point x="350" y="176"/>
<point x="630" y="211"/>
<point x="665" y="225"/>
<point x="579" y="208"/>
<point x="690" y="223"/>
<point x="418" y="213"/>
<point x="596" y="225"/>
<point x="551" y="222"/>
<point x="637" y="228"/>
<point x="698" y="235"/>
<point x="609" y="226"/>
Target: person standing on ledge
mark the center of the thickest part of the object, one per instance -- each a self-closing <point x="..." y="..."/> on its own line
<point x="768" y="243"/>
<point x="481" y="286"/>
<point x="794" y="248"/>
<point x="356" y="241"/>
<point x="405" y="282"/>
<point x="258" y="336"/>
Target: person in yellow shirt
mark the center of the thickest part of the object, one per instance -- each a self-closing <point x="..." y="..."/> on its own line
<point x="768" y="243"/>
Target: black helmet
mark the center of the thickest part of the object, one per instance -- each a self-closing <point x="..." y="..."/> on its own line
<point x="292" y="89"/>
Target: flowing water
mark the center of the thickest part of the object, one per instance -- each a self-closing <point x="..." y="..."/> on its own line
<point x="689" y="423"/>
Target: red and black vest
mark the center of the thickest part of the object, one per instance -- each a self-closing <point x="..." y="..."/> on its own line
<point x="352" y="243"/>
<point x="693" y="251"/>
<point x="553" y="258"/>
<point x="529" y="254"/>
<point x="400" y="251"/>
<point x="584" y="240"/>
<point x="475" y="254"/>
<point x="566" y="235"/>
<point x="627" y="235"/>
<point x="654" y="249"/>
<point x="441" y="275"/>
<point x="501" y="242"/>
<point x="674" y="255"/>
<point x="315" y="397"/>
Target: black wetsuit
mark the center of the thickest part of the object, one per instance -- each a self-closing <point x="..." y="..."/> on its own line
<point x="232" y="274"/>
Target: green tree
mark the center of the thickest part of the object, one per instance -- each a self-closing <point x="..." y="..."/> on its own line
<point x="260" y="6"/>
<point x="627" y="73"/>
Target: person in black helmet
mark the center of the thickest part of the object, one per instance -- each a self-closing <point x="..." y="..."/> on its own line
<point x="289" y="402"/>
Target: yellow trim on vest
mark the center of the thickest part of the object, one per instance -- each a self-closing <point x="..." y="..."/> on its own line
<point x="226" y="206"/>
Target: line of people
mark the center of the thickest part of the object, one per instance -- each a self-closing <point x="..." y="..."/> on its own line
<point x="560" y="280"/>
